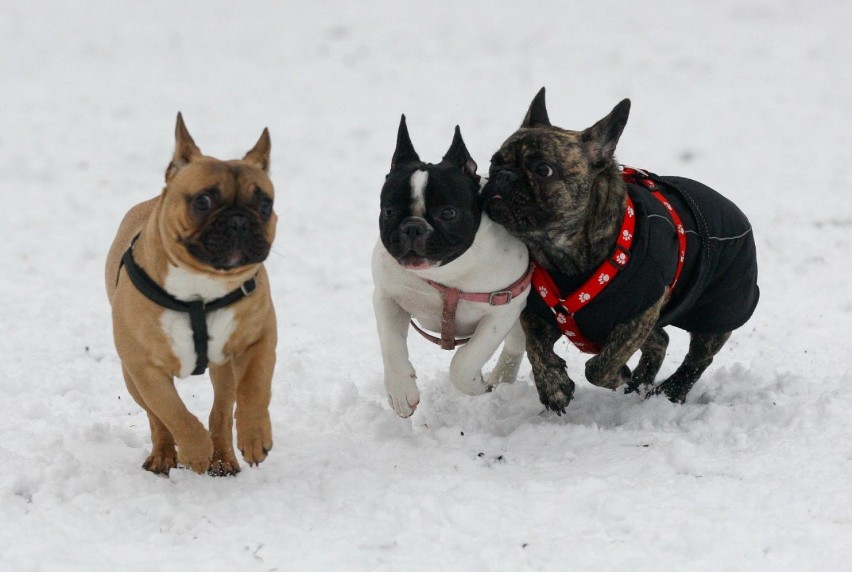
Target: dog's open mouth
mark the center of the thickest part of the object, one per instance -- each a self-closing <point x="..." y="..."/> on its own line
<point x="232" y="259"/>
<point x="412" y="261"/>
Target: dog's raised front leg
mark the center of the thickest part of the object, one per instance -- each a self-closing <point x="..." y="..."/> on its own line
<point x="221" y="423"/>
<point x="466" y="367"/>
<point x="393" y="322"/>
<point x="609" y="368"/>
<point x="163" y="455"/>
<point x="555" y="388"/>
<point x="253" y="375"/>
<point x="509" y="362"/>
<point x="653" y="354"/>
<point x="702" y="349"/>
<point x="155" y="391"/>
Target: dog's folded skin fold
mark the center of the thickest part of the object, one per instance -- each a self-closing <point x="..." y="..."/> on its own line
<point x="432" y="228"/>
<point x="563" y="194"/>
<point x="206" y="235"/>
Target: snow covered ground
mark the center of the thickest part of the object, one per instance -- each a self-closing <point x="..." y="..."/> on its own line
<point x="754" y="472"/>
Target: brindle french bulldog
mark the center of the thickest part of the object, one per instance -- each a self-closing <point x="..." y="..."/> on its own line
<point x="563" y="194"/>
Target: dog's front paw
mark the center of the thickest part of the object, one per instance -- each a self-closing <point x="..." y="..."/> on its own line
<point x="469" y="384"/>
<point x="161" y="462"/>
<point x="224" y="464"/>
<point x="555" y="390"/>
<point x="196" y="454"/>
<point x="254" y="439"/>
<point x="403" y="397"/>
<point x="601" y="374"/>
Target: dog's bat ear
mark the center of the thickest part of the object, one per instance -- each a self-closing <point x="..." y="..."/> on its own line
<point x="601" y="138"/>
<point x="537" y="113"/>
<point x="404" y="152"/>
<point x="185" y="149"/>
<point x="458" y="155"/>
<point x="259" y="154"/>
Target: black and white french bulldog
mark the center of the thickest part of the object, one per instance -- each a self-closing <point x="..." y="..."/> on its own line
<point x="442" y="261"/>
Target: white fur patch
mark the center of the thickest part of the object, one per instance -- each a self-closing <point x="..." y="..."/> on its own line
<point x="418" y="192"/>
<point x="188" y="286"/>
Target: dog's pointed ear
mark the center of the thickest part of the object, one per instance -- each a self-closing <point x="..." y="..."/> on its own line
<point x="458" y="155"/>
<point x="601" y="138"/>
<point x="259" y="154"/>
<point x="404" y="152"/>
<point x="537" y="113"/>
<point x="185" y="149"/>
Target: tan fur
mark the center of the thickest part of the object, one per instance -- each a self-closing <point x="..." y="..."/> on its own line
<point x="149" y="365"/>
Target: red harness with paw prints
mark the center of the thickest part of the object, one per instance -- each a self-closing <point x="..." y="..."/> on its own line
<point x="564" y="308"/>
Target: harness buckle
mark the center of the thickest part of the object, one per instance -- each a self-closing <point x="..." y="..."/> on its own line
<point x="248" y="287"/>
<point x="621" y="256"/>
<point x="500" y="298"/>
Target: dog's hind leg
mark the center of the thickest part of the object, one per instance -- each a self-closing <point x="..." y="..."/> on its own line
<point x="702" y="349"/>
<point x="653" y="353"/>
<point x="555" y="387"/>
<point x="506" y="370"/>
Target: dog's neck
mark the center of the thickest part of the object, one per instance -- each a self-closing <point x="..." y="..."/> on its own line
<point x="579" y="246"/>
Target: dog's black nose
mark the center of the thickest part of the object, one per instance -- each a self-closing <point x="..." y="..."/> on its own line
<point x="506" y="176"/>
<point x="238" y="224"/>
<point x="414" y="228"/>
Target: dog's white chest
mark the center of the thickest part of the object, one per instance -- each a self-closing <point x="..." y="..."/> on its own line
<point x="221" y="324"/>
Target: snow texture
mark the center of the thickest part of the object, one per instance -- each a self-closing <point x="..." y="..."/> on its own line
<point x="754" y="472"/>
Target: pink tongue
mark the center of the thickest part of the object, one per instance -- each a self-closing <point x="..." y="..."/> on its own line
<point x="235" y="258"/>
<point x="420" y="264"/>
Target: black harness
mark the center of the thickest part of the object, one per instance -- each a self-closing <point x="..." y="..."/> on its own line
<point x="196" y="309"/>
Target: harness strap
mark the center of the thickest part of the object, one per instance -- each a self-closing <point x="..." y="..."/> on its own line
<point x="451" y="296"/>
<point x="196" y="309"/>
<point x="565" y="308"/>
<point x="643" y="178"/>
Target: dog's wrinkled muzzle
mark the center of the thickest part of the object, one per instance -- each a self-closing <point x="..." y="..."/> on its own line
<point x="233" y="240"/>
<point x="502" y="184"/>
<point x="506" y="176"/>
<point x="413" y="234"/>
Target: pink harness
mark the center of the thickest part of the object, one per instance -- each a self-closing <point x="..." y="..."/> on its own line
<point x="451" y="296"/>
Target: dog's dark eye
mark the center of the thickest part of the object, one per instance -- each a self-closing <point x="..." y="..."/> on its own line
<point x="202" y="203"/>
<point x="264" y="207"/>
<point x="544" y="170"/>
<point x="449" y="213"/>
<point x="388" y="212"/>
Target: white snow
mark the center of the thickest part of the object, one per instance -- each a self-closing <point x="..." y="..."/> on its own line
<point x="754" y="472"/>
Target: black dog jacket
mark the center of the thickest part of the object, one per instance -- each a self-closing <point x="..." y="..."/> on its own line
<point x="717" y="290"/>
